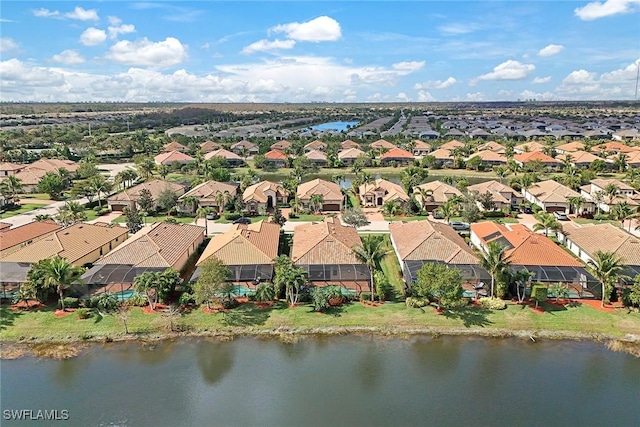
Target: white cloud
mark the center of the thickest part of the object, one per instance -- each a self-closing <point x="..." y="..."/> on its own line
<point x="552" y="49"/>
<point x="628" y="73"/>
<point x="579" y="77"/>
<point x="7" y="44"/>
<point x="93" y="36"/>
<point x="115" y="31"/>
<point x="45" y="13"/>
<point x="83" y="14"/>
<point x="147" y="53"/>
<point x="424" y="96"/>
<point x="541" y="80"/>
<point x="266" y="45"/>
<point x="114" y="20"/>
<point x="205" y="46"/>
<point x="598" y="9"/>
<point x="509" y="70"/>
<point x="545" y="96"/>
<point x="436" y="84"/>
<point x="320" y="29"/>
<point x="402" y="97"/>
<point x="459" y="28"/>
<point x="409" y="66"/>
<point x="474" y="97"/>
<point x="69" y="57"/>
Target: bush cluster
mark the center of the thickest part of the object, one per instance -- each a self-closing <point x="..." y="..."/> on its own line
<point x="70" y="302"/>
<point x="415" y="302"/>
<point x="232" y="216"/>
<point x="492" y="303"/>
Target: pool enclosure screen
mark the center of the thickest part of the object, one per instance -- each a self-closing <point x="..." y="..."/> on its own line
<point x="103" y="274"/>
<point x="336" y="272"/>
<point x="244" y="273"/>
<point x="470" y="273"/>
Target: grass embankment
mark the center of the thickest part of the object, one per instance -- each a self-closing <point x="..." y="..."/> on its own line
<point x="24" y="207"/>
<point x="391" y="317"/>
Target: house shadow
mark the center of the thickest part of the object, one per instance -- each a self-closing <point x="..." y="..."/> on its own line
<point x="470" y="316"/>
<point x="8" y="316"/>
<point x="246" y="315"/>
<point x="552" y="307"/>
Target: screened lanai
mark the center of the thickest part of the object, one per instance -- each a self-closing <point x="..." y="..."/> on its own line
<point x="253" y="273"/>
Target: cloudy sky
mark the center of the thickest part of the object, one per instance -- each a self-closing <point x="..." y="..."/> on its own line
<point x="303" y="51"/>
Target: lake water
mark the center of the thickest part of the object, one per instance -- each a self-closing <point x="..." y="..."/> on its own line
<point x="337" y="126"/>
<point x="334" y="381"/>
<point x="348" y="178"/>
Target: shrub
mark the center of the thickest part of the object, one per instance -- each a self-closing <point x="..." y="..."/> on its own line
<point x="414" y="302"/>
<point x="137" y="301"/>
<point x="539" y="293"/>
<point x="70" y="302"/>
<point x="83" y="313"/>
<point x="384" y="290"/>
<point x="601" y="216"/>
<point x="492" y="303"/>
<point x="292" y="216"/>
<point x="186" y="299"/>
<point x="232" y="216"/>
<point x="365" y="296"/>
<point x="492" y="214"/>
<point x="320" y="300"/>
<point x="229" y="304"/>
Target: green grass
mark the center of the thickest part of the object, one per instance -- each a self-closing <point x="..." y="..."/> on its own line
<point x="42" y="324"/>
<point x="308" y="218"/>
<point x="24" y="207"/>
<point x="597" y="221"/>
<point x="353" y="199"/>
<point x="149" y="219"/>
<point x="252" y="218"/>
<point x="504" y="220"/>
<point x="36" y="196"/>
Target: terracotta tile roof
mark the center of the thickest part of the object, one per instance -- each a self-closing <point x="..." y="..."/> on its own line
<point x="222" y="153"/>
<point x="167" y="158"/>
<point x="327" y="242"/>
<point x="30" y="176"/>
<point x="350" y="153"/>
<point x="489" y="156"/>
<point x="32" y="173"/>
<point x="530" y="146"/>
<point x="248" y="145"/>
<point x="392" y="191"/>
<point x="157" y="245"/>
<point x="4" y="226"/>
<point x="633" y="158"/>
<point x="421" y="145"/>
<point x="601" y="183"/>
<point x="426" y="240"/>
<point x="7" y="166"/>
<point x="281" y="145"/>
<point x="440" y="192"/>
<point x="173" y="145"/>
<point x="524" y="246"/>
<point x="275" y="155"/>
<point x="17" y="235"/>
<point x="316" y="155"/>
<point x="492" y="146"/>
<point x="615" y="146"/>
<point x="454" y="143"/>
<point x="252" y="244"/>
<point x="315" y="145"/>
<point x="257" y="191"/>
<point x="551" y="191"/>
<point x="606" y="238"/>
<point x="329" y="190"/>
<point x="72" y="243"/>
<point x="207" y="190"/>
<point x="571" y="146"/>
<point x="346" y="144"/>
<point x="579" y="157"/>
<point x="397" y="153"/>
<point x="209" y="146"/>
<point x="382" y="143"/>
<point x="155" y="186"/>
<point x="442" y="154"/>
<point x="534" y="156"/>
<point x="497" y="189"/>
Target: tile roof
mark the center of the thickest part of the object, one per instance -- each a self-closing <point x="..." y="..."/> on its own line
<point x="551" y="191"/>
<point x="208" y="190"/>
<point x="571" y="146"/>
<point x="221" y="152"/>
<point x="432" y="241"/>
<point x="281" y="145"/>
<point x="497" y="189"/>
<point x="606" y="238"/>
<point x="421" y="145"/>
<point x="347" y="143"/>
<point x="382" y="143"/>
<point x="257" y="191"/>
<point x="615" y="146"/>
<point x="530" y="146"/>
<point x="32" y="173"/>
<point x="524" y="246"/>
<point x="315" y="145"/>
<point x="329" y="190"/>
<point x="4" y="226"/>
<point x="350" y="153"/>
<point x="454" y="143"/>
<point x="392" y="191"/>
<point x="173" y="145"/>
<point x="489" y="156"/>
<point x="209" y="146"/>
<point x="252" y="244"/>
<point x="155" y="187"/>
<point x="7" y="166"/>
<point x="534" y="156"/>
<point x="17" y="235"/>
<point x="72" y="243"/>
<point x="156" y="245"/>
<point x="493" y="146"/>
<point x="316" y="155"/>
<point x="442" y="154"/>
<point x="243" y="144"/>
<point x="440" y="191"/>
<point x="173" y="156"/>
<point x="275" y="155"/>
<point x="397" y="153"/>
<point x="602" y="183"/>
<point x="578" y="157"/>
<point x="327" y="242"/>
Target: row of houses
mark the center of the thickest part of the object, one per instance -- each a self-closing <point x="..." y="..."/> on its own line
<point x="31" y="174"/>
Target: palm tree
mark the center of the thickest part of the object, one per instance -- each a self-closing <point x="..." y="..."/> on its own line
<point x="222" y="198"/>
<point x="371" y="253"/>
<point x="315" y="202"/>
<point x="501" y="171"/>
<point x="607" y="268"/>
<point x="448" y="210"/>
<point x="546" y="222"/>
<point x="598" y="197"/>
<point x="190" y="203"/>
<point x="58" y="272"/>
<point x="10" y="187"/>
<point x="611" y="192"/>
<point x="620" y="162"/>
<point x="42" y="217"/>
<point x="622" y="211"/>
<point x="71" y="213"/>
<point x="521" y="277"/>
<point x="202" y="213"/>
<point x="100" y="185"/>
<point x="145" y="166"/>
<point x="576" y="203"/>
<point x="495" y="261"/>
<point x="163" y="170"/>
<point x="390" y="208"/>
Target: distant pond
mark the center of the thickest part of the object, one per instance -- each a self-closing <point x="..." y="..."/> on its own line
<point x="336" y="126"/>
<point x="348" y="178"/>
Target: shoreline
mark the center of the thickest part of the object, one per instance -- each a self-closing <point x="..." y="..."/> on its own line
<point x="69" y="348"/>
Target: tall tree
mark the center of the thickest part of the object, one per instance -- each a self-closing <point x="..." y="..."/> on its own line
<point x="611" y="192"/>
<point x="546" y="222"/>
<point x="607" y="267"/>
<point x="371" y="253"/>
<point x="495" y="261"/>
<point x="449" y="209"/>
<point x="622" y="212"/>
<point x="101" y="186"/>
<point x="10" y="187"/>
<point x="315" y="202"/>
<point x="212" y="281"/>
<point x="71" y="213"/>
<point x="576" y="203"/>
<point x="355" y="217"/>
<point x="60" y="274"/>
<point x="202" y="213"/>
<point x="134" y="219"/>
<point x="52" y="184"/>
<point x="437" y="281"/>
<point x="290" y="278"/>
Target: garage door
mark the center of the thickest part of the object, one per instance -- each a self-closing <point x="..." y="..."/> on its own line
<point x="117" y="208"/>
<point x="552" y="209"/>
<point x="331" y="207"/>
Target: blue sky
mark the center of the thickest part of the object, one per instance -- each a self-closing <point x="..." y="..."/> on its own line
<point x="303" y="51"/>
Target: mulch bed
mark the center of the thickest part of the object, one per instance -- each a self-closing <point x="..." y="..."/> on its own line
<point x="159" y="307"/>
<point x="23" y="306"/>
<point x="536" y="310"/>
<point x="63" y="313"/>
<point x="242" y="300"/>
<point x="266" y="304"/>
<point x="371" y="304"/>
<point x="213" y="310"/>
<point x="597" y="304"/>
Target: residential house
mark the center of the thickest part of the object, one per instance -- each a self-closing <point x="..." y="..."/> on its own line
<point x="325" y="251"/>
<point x="492" y="146"/>
<point x="538" y="254"/>
<point x="131" y="196"/>
<point x="173" y="157"/>
<point x="421" y="148"/>
<point x="154" y="248"/>
<point x="503" y="195"/>
<point x="330" y="191"/>
<point x="317" y="157"/>
<point x="347" y="144"/>
<point x="9" y="169"/>
<point x="381" y="191"/>
<point x="232" y="158"/>
<point x="489" y="158"/>
<point x="624" y="193"/>
<point x="13" y="239"/>
<point x="633" y="160"/>
<point x="264" y="194"/>
<point x="281" y="145"/>
<point x="454" y="143"/>
<point x="174" y="146"/>
<point x="479" y="133"/>
<point x="276" y="158"/>
<point x="208" y="195"/>
<point x="554" y="197"/>
<point x="585" y="240"/>
<point x="396" y="156"/>
<point x="245" y="148"/>
<point x="381" y="144"/>
<point x="31" y="174"/>
<point x="570" y="147"/>
<point x="443" y="157"/>
<point x="4" y="226"/>
<point x="209" y="146"/>
<point x="626" y="135"/>
<point x="316" y="145"/>
<point x="349" y="156"/>
<point x="434" y="194"/>
<point x="416" y="243"/>
<point x="249" y="251"/>
<point x="578" y="159"/>
<point x="526" y="159"/>
<point x="614" y="147"/>
<point x="529" y="147"/>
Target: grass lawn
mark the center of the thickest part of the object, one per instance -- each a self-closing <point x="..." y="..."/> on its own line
<point x="503" y="220"/>
<point x="24" y="207"/>
<point x="597" y="221"/>
<point x="308" y="218"/>
<point x="252" y="218"/>
<point x="36" y="196"/>
<point x="354" y="200"/>
<point x="150" y="219"/>
<point x="42" y="324"/>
